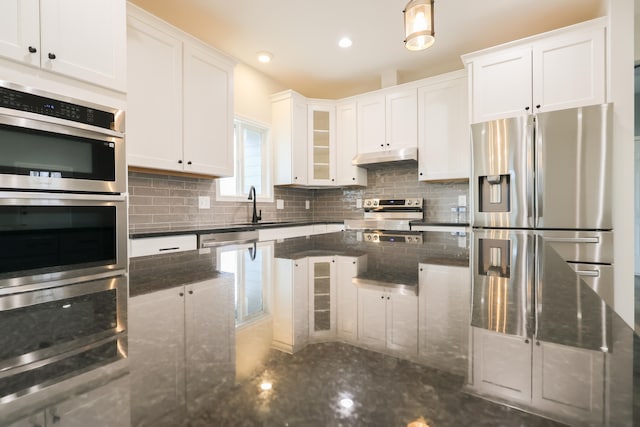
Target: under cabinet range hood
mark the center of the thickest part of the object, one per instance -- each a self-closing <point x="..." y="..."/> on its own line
<point x="398" y="155"/>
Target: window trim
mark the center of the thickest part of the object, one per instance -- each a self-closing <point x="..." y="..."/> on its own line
<point x="266" y="164"/>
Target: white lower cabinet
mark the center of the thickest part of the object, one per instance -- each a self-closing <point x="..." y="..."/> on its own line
<point x="540" y="377"/>
<point x="444" y="296"/>
<point x="290" y="304"/>
<point x="181" y="349"/>
<point x="388" y="320"/>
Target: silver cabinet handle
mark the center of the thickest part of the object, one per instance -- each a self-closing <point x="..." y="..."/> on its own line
<point x="572" y="239"/>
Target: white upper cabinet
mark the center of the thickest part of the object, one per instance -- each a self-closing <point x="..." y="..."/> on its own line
<point x="387" y="120"/>
<point x="84" y="40"/>
<point x="443" y="129"/>
<point x="346" y="146"/>
<point x="192" y="129"/>
<point x="561" y="69"/>
<point x="289" y="137"/>
<point x="154" y="64"/>
<point x="208" y="113"/>
<point x="322" y="143"/>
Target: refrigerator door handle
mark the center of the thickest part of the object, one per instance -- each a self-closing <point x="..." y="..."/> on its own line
<point x="538" y="142"/>
<point x="572" y="239"/>
<point x="589" y="273"/>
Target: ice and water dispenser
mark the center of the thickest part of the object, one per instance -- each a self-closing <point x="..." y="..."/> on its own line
<point x="493" y="193"/>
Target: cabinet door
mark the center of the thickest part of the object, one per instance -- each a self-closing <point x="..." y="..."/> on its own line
<point x="290" y="304"/>
<point x="208" y="113"/>
<point x="569" y="70"/>
<point x="108" y="403"/>
<point x="347" y="298"/>
<point x="371" y="123"/>
<point x="20" y="30"/>
<point x="501" y="85"/>
<point x="402" y="322"/>
<point x="209" y="340"/>
<point x="154" y="132"/>
<point x="289" y="136"/>
<point x="556" y="388"/>
<point x="372" y="322"/>
<point x="497" y="375"/>
<point x="322" y="145"/>
<point x="444" y="299"/>
<point x="156" y="355"/>
<point x="346" y="146"/>
<point x="443" y="131"/>
<point x="402" y="119"/>
<point x="322" y="297"/>
<point x="87" y="39"/>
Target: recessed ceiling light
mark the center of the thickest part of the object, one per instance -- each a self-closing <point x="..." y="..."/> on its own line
<point x="345" y="42"/>
<point x="265" y="57"/>
<point x="266" y="386"/>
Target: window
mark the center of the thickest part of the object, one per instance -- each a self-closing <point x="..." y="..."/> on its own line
<point x="251" y="166"/>
<point x="250" y="265"/>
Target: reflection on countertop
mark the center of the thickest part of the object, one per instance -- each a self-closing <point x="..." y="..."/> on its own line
<point x="278" y="334"/>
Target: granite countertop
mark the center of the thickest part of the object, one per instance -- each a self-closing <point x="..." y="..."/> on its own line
<point x="190" y="364"/>
<point x="224" y="228"/>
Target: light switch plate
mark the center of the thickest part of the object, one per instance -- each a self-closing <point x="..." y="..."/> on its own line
<point x="307" y="204"/>
<point x="204" y="202"/>
<point x="279" y="204"/>
<point x="359" y="203"/>
<point x="462" y="200"/>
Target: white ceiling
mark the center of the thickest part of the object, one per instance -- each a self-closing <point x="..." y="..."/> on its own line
<point x="303" y="35"/>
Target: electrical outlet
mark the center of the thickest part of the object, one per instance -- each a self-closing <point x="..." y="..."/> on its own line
<point x="462" y="200"/>
<point x="204" y="202"/>
<point x="307" y="204"/>
<point x="279" y="204"/>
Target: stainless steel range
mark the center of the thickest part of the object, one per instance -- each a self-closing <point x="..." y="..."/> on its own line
<point x="387" y="214"/>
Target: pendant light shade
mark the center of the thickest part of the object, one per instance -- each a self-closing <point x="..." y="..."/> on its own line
<point x="418" y="24"/>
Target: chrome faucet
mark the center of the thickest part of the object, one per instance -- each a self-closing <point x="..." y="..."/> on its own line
<point x="252" y="196"/>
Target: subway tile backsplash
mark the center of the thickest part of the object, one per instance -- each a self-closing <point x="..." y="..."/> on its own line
<point x="166" y="202"/>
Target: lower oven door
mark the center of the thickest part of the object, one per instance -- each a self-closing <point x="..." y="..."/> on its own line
<point x="55" y="238"/>
<point x="46" y="323"/>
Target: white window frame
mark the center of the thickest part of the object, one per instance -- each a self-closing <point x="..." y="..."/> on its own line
<point x="267" y="184"/>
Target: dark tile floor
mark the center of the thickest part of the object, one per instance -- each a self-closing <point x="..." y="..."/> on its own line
<point x="308" y="388"/>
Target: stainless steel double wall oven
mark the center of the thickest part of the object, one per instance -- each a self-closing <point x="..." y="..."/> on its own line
<point x="63" y="238"/>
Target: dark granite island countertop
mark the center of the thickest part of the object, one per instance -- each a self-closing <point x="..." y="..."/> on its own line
<point x="335" y="380"/>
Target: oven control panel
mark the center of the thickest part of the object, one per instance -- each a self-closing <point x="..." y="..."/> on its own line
<point x="391" y="204"/>
<point x="375" y="237"/>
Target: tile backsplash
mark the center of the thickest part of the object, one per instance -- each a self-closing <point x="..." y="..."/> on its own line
<point x="166" y="202"/>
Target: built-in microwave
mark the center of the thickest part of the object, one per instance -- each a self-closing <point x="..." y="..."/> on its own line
<point x="50" y="239"/>
<point x="54" y="143"/>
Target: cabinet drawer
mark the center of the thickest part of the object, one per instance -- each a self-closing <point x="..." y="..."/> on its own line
<point x="161" y="245"/>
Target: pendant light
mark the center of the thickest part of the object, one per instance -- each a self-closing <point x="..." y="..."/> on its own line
<point x="418" y="24"/>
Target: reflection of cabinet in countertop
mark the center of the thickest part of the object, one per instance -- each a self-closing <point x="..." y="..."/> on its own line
<point x="564" y="383"/>
<point x="181" y="348"/>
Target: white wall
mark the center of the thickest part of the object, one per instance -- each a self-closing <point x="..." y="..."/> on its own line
<point x="251" y="93"/>
<point x="620" y="91"/>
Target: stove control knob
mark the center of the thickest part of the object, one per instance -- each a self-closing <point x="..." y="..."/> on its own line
<point x="368" y="236"/>
<point x="375" y="237"/>
<point x="375" y="203"/>
<point x="368" y="203"/>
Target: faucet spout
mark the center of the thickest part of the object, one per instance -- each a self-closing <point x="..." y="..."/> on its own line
<point x="255" y="217"/>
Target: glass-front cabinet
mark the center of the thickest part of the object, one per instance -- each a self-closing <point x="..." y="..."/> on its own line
<point x="322" y="310"/>
<point x="322" y="170"/>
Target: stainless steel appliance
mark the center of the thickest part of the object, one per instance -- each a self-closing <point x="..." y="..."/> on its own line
<point x="541" y="183"/>
<point x="63" y="238"/>
<point x="50" y="239"/>
<point x="53" y="143"/>
<point x="387" y="214"/>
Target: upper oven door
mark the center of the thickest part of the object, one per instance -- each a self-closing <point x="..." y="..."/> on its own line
<point x="50" y="154"/>
<point x="49" y="238"/>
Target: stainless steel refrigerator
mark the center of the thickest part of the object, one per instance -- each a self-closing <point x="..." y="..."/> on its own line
<point x="541" y="184"/>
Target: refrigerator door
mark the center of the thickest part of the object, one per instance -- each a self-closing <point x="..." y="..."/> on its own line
<point x="503" y="273"/>
<point x="573" y="168"/>
<point x="502" y="182"/>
